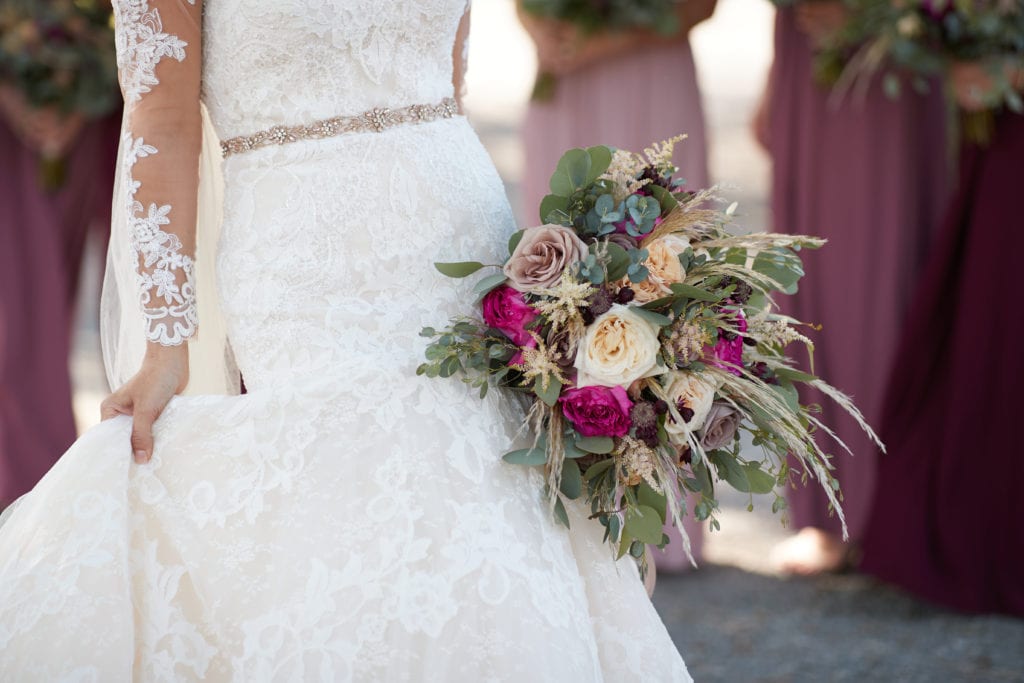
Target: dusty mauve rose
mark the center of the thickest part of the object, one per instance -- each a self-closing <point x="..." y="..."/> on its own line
<point x="720" y="426"/>
<point x="563" y="351"/>
<point x="663" y="268"/>
<point x="692" y="397"/>
<point x="597" y="411"/>
<point x="505" y="309"/>
<point x="619" y="348"/>
<point x="542" y="255"/>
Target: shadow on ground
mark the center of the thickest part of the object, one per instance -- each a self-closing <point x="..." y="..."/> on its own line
<point x="732" y="625"/>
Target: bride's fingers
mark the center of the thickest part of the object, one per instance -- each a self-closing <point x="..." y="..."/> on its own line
<point x="143" y="418"/>
<point x="115" y="405"/>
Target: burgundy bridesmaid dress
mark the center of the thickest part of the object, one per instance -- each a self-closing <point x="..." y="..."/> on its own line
<point x="628" y="102"/>
<point x="869" y="175"/>
<point x="948" y="518"/>
<point x="42" y="236"/>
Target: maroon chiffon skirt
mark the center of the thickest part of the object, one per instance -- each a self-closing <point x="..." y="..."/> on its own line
<point x="948" y="518"/>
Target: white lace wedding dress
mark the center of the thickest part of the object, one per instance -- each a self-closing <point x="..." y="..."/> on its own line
<point x="345" y="519"/>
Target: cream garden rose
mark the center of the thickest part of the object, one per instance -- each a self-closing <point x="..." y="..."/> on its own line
<point x="619" y="348"/>
<point x="688" y="391"/>
<point x="663" y="266"/>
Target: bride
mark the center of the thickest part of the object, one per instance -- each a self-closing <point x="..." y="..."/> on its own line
<point x="344" y="519"/>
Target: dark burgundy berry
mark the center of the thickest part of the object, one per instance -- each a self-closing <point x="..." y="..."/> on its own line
<point x="625" y="295"/>
<point x="588" y="317"/>
<point x="660" y="407"/>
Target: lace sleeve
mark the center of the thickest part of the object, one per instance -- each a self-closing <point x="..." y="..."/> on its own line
<point x="159" y="60"/>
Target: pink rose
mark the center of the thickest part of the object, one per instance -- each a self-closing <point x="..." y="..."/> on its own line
<point x="505" y="309"/>
<point x="597" y="411"/>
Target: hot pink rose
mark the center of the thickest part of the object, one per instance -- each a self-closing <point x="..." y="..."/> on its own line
<point x="597" y="410"/>
<point x="730" y="351"/>
<point x="505" y="309"/>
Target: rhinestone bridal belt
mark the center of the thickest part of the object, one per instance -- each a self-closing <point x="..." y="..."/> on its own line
<point x="373" y="121"/>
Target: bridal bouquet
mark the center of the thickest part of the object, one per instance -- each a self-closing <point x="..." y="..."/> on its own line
<point x="921" y="38"/>
<point x="642" y="331"/>
<point x="60" y="53"/>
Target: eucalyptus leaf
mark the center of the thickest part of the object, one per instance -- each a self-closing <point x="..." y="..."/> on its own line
<point x="601" y="445"/>
<point x="514" y="240"/>
<point x="572" y="172"/>
<point x="549" y="394"/>
<point x="600" y="160"/>
<point x="526" y="456"/>
<point x="488" y="283"/>
<point x="644" y="524"/>
<point x="459" y="269"/>
<point x="571" y="483"/>
<point x="691" y="292"/>
<point x="560" y="513"/>
<point x="554" y="209"/>
<point x="652" y="317"/>
<point x="648" y="496"/>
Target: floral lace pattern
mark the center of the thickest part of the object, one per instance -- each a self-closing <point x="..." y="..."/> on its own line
<point x="345" y="520"/>
<point x="165" y="272"/>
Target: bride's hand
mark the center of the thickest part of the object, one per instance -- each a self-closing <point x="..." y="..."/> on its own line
<point x="164" y="373"/>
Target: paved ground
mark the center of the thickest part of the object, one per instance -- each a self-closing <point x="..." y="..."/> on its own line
<point x="732" y="619"/>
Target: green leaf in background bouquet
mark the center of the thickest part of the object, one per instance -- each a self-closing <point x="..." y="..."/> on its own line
<point x="460" y="269"/>
<point x="514" y="241"/>
<point x="788" y="374"/>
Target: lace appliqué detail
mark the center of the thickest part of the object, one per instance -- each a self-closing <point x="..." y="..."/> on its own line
<point x="165" y="274"/>
<point x="173" y="318"/>
<point x="141" y="44"/>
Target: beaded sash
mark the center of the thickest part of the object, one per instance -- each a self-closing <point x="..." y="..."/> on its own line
<point x="373" y="121"/>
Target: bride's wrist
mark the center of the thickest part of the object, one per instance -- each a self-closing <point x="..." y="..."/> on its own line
<point x="158" y="355"/>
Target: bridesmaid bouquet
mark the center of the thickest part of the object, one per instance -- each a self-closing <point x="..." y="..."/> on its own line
<point x="920" y="38"/>
<point x="593" y="16"/>
<point x="643" y="334"/>
<point x="590" y="17"/>
<point x="60" y="53"/>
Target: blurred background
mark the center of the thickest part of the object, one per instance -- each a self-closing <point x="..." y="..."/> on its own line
<point x="738" y="617"/>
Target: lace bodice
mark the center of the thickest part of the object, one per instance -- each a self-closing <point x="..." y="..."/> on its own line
<point x="257" y="64"/>
<point x="286" y="62"/>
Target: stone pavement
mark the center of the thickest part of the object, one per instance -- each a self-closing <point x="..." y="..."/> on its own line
<point x="732" y="619"/>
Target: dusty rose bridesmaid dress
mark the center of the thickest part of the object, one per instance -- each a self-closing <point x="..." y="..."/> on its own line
<point x="41" y="241"/>
<point x="629" y="102"/>
<point x="870" y="175"/>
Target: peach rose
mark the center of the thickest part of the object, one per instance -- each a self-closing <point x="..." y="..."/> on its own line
<point x="619" y="348"/>
<point x="542" y="255"/>
<point x="663" y="267"/>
